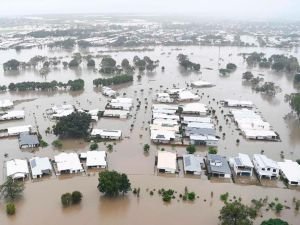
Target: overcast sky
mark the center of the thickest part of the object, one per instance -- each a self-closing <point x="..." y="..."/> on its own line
<point x="239" y="9"/>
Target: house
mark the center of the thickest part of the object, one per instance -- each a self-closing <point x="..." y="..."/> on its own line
<point x="265" y="167"/>
<point x="96" y="159"/>
<point x="163" y="97"/>
<point x="14" y="131"/>
<point x="192" y="164"/>
<point x="237" y="103"/>
<point x="217" y="166"/>
<point x="60" y="110"/>
<point x="164" y="111"/>
<point x="165" y="116"/>
<point x="164" y="107"/>
<point x="68" y="163"/>
<point x="122" y="114"/>
<point x="175" y="91"/>
<point x="260" y="134"/>
<point x="195" y="108"/>
<point x="28" y="140"/>
<point x="5" y="104"/>
<point x="202" y="83"/>
<point x="166" y="162"/>
<point x="187" y="96"/>
<point x="291" y="171"/>
<point x="200" y="129"/>
<point x="17" y="169"/>
<point x="195" y="119"/>
<point x="107" y="91"/>
<point x="40" y="166"/>
<point x="165" y="122"/>
<point x="120" y="103"/>
<point x="107" y="134"/>
<point x="207" y="140"/>
<point x="13" y="115"/>
<point x="162" y="136"/>
<point x="165" y="128"/>
<point x="242" y="165"/>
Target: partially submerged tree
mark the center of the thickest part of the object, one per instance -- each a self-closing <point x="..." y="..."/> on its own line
<point x="236" y="213"/>
<point x="75" y="125"/>
<point x="112" y="183"/>
<point x="11" y="189"/>
<point x="191" y="149"/>
<point x="274" y="222"/>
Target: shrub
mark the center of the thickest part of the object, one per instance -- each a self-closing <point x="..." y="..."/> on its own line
<point x="76" y="197"/>
<point x="191" y="196"/>
<point x="191" y="149"/>
<point x="93" y="146"/>
<point x="57" y="143"/>
<point x="10" y="209"/>
<point x="212" y="150"/>
<point x="66" y="199"/>
<point x="278" y="207"/>
<point x="224" y="197"/>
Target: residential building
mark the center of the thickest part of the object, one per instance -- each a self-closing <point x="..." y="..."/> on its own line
<point x="242" y="165"/>
<point x="265" y="167"/>
<point x="290" y="171"/>
<point x="107" y="134"/>
<point x="17" y="169"/>
<point x="217" y="166"/>
<point x="192" y="164"/>
<point x="96" y="159"/>
<point x="68" y="163"/>
<point x="40" y="166"/>
<point x="28" y="140"/>
<point x="166" y="162"/>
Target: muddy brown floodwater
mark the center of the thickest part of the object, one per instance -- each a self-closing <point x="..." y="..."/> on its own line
<point x="41" y="203"/>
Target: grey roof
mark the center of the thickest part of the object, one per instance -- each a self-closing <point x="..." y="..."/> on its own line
<point x="28" y="139"/>
<point x="192" y="163"/>
<point x="217" y="164"/>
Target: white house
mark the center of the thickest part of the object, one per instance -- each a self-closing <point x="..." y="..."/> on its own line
<point x="202" y="83"/>
<point x="14" y="131"/>
<point x="164" y="107"/>
<point x="260" y="134"/>
<point x="107" y="134"/>
<point x="162" y="136"/>
<point x="237" y="103"/>
<point x="165" y="122"/>
<point x="107" y="91"/>
<point x="265" y="167"/>
<point x="164" y="111"/>
<point x="195" y="108"/>
<point x="165" y="128"/>
<point x="242" y="165"/>
<point x="187" y="96"/>
<point x="40" y="166"/>
<point x="291" y="171"/>
<point x="165" y="116"/>
<point x="122" y="114"/>
<point x="17" y="169"/>
<point x="6" y="103"/>
<point x="68" y="163"/>
<point x="200" y="129"/>
<point x="120" y="103"/>
<point x="13" y="115"/>
<point x="207" y="140"/>
<point x="96" y="159"/>
<point x="166" y="162"/>
<point x="60" y="110"/>
<point x="192" y="164"/>
<point x="163" y="97"/>
<point x="196" y="119"/>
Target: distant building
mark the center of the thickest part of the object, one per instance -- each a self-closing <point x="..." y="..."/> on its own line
<point x="265" y="167"/>
<point x="6" y="104"/>
<point x="237" y="103"/>
<point x="207" y="140"/>
<point x="13" y="115"/>
<point x="200" y="129"/>
<point x="195" y="108"/>
<point x="163" y="97"/>
<point x="242" y="165"/>
<point x="217" y="166"/>
<point x="162" y="136"/>
<point x="14" y="131"/>
<point x="107" y="134"/>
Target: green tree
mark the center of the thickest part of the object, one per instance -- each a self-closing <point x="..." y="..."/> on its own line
<point x="295" y="103"/>
<point x="11" y="189"/>
<point x="10" y="208"/>
<point x="75" y="125"/>
<point x="108" y="65"/>
<point x="146" y="147"/>
<point x="94" y="146"/>
<point x="191" y="149"/>
<point x="110" y="147"/>
<point x="212" y="150"/>
<point x="231" y="66"/>
<point x="12" y="64"/>
<point x="57" y="143"/>
<point x="66" y="199"/>
<point x="76" y="197"/>
<point x="112" y="183"/>
<point x="91" y="63"/>
<point x="235" y="213"/>
<point x="248" y="76"/>
<point x="274" y="222"/>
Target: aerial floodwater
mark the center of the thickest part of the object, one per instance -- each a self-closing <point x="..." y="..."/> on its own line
<point x="41" y="200"/>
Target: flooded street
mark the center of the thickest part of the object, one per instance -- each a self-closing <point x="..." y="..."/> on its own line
<point x="42" y="199"/>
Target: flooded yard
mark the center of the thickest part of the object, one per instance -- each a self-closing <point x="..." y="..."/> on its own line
<point x="42" y="199"/>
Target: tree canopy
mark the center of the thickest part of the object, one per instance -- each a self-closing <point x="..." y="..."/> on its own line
<point x="187" y="64"/>
<point x="112" y="183"/>
<point x="274" y="222"/>
<point x="11" y="189"/>
<point x="75" y="125"/>
<point x="236" y="213"/>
